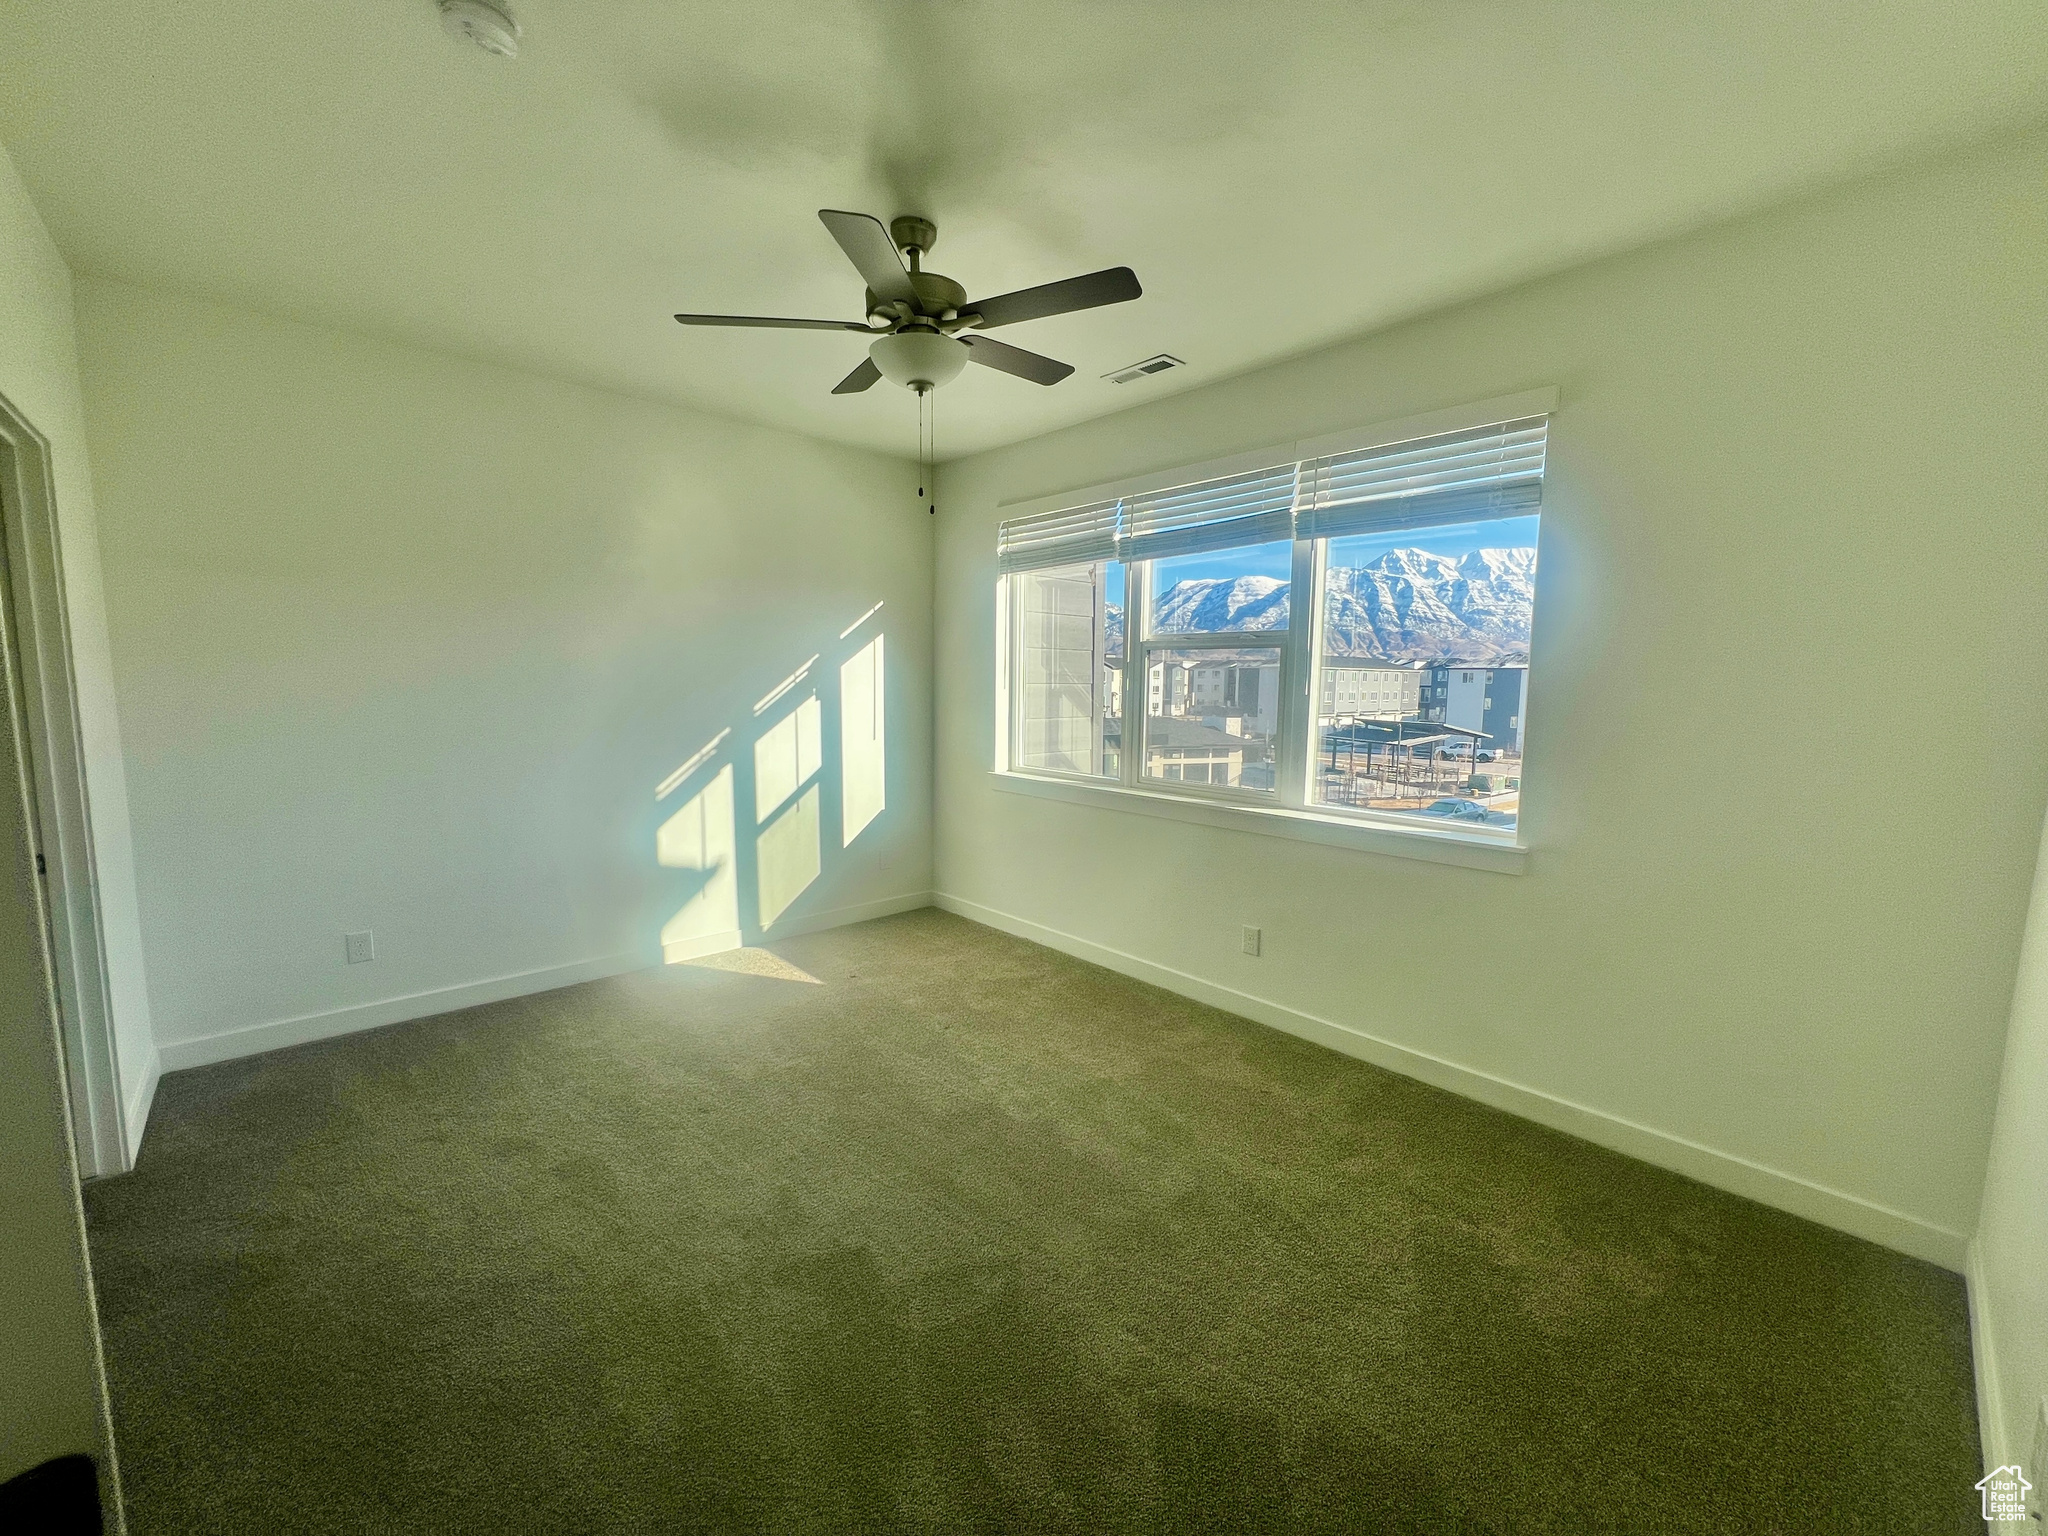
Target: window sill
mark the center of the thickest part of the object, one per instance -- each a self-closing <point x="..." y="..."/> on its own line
<point x="1437" y="846"/>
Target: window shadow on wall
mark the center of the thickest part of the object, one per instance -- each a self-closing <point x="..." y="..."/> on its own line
<point x="773" y="803"/>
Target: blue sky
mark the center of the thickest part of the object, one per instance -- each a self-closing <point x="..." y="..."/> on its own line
<point x="1276" y="560"/>
<point x="1451" y="540"/>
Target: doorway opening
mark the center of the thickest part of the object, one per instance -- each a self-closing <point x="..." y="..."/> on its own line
<point x="35" y="634"/>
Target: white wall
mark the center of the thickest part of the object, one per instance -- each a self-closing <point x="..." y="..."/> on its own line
<point x="406" y="643"/>
<point x="39" y="355"/>
<point x="2009" y="1259"/>
<point x="1797" y="458"/>
<point x="52" y="1401"/>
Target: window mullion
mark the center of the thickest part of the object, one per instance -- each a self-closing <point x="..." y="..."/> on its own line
<point x="1137" y="601"/>
<point x="1297" y="678"/>
<point x="1013" y="661"/>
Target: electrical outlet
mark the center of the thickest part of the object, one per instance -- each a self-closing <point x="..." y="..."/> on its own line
<point x="1251" y="941"/>
<point x="361" y="947"/>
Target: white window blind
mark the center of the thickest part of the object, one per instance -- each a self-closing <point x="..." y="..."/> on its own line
<point x="1071" y="537"/>
<point x="1484" y="472"/>
<point x="1214" y="514"/>
<point x="1494" y="471"/>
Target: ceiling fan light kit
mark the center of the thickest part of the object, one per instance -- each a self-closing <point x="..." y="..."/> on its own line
<point x="919" y="359"/>
<point x="491" y="27"/>
<point x="926" y="328"/>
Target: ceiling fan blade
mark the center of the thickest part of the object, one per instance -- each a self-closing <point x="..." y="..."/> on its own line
<point x="1115" y="285"/>
<point x="990" y="353"/>
<point x="780" y="325"/>
<point x="869" y="248"/>
<point x="863" y="376"/>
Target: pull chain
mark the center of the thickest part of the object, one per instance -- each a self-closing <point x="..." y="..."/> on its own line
<point x="924" y="447"/>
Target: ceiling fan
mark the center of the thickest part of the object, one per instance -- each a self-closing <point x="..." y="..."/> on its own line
<point x="926" y="330"/>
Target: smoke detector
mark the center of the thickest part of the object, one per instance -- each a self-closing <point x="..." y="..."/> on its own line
<point x="490" y="27"/>
<point x="1151" y="365"/>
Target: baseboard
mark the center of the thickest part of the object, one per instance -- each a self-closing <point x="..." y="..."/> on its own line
<point x="839" y="917"/>
<point x="135" y="1113"/>
<point x="1991" y="1433"/>
<point x="682" y="951"/>
<point x="1738" y="1175"/>
<point x="254" y="1039"/>
<point x="176" y="1055"/>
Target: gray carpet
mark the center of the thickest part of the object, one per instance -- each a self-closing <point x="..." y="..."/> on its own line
<point x="969" y="1236"/>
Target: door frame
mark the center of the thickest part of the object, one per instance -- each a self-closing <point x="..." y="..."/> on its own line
<point x="36" y="635"/>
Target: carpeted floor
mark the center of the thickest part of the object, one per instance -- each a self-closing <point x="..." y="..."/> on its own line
<point x="968" y="1236"/>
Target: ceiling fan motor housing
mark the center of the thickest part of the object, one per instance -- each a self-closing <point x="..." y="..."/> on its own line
<point x="908" y="231"/>
<point x="936" y="295"/>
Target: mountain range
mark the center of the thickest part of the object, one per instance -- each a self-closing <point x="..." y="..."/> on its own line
<point x="1408" y="605"/>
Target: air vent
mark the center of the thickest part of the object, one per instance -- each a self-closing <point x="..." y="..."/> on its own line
<point x="1157" y="364"/>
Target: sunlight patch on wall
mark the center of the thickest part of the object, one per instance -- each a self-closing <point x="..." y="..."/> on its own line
<point x="863" y="757"/>
<point x="691" y="764"/>
<point x="787" y="856"/>
<point x="856" y="624"/>
<point x="750" y="960"/>
<point x="787" y="755"/>
<point x="784" y="686"/>
<point x="699" y="838"/>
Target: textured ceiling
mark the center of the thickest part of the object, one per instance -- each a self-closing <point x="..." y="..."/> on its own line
<point x="1280" y="175"/>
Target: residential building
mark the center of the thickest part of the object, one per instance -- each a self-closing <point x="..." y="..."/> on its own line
<point x="1203" y="752"/>
<point x="1355" y="686"/>
<point x="1504" y="705"/>
<point x="1488" y="700"/>
<point x="1169" y="687"/>
<point x="1249" y="691"/>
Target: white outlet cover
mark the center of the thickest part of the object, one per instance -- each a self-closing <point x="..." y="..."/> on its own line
<point x="1251" y="941"/>
<point x="360" y="948"/>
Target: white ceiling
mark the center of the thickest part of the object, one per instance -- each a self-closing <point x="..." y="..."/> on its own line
<point x="1280" y="174"/>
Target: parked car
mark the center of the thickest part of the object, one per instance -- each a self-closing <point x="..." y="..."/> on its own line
<point x="1458" y="810"/>
<point x="1468" y="810"/>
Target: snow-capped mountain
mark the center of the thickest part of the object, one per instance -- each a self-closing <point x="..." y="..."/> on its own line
<point x="1203" y="607"/>
<point x="1409" y="605"/>
<point x="1413" y="605"/>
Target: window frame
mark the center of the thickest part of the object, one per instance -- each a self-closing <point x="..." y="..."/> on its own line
<point x="1287" y="808"/>
<point x="1011" y="624"/>
<point x="1137" y="680"/>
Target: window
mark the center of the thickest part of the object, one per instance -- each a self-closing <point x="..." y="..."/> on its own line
<point x="1429" y="593"/>
<point x="1067" y="646"/>
<point x="1211" y="716"/>
<point x="1397" y="695"/>
<point x="1216" y="622"/>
